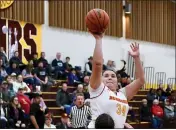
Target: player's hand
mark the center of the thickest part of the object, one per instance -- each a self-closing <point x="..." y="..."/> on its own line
<point x="97" y="36"/>
<point x="134" y="50"/>
<point x="128" y="126"/>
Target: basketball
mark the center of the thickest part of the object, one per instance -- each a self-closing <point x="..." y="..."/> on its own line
<point x="97" y="21"/>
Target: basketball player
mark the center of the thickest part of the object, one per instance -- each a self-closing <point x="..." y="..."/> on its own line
<point x="102" y="89"/>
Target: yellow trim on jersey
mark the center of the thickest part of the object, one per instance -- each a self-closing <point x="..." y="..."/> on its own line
<point x="117" y="99"/>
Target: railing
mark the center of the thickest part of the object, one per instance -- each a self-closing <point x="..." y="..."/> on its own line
<point x="149" y="77"/>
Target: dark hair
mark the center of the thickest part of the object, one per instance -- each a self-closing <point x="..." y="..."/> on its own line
<point x="12" y="99"/>
<point x="104" y="121"/>
<point x="67" y="57"/>
<point x="110" y="70"/>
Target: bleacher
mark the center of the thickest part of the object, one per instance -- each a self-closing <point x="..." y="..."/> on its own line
<point x="50" y="100"/>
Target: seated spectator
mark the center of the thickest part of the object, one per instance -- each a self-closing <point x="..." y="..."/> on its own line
<point x="132" y="115"/>
<point x="3" y="73"/>
<point x="42" y="104"/>
<point x="14" y="77"/>
<point x="65" y="123"/>
<point x="43" y="60"/>
<point x="67" y="65"/>
<point x="157" y="115"/>
<point x="79" y="74"/>
<point x="78" y="90"/>
<point x="35" y="60"/>
<point x="37" y="116"/>
<point x="58" y="67"/>
<point x="104" y="66"/>
<point x="80" y="117"/>
<point x="145" y="113"/>
<point x="85" y="85"/>
<point x="24" y="101"/>
<point x="63" y="98"/>
<point x="14" y="68"/>
<point x="72" y="78"/>
<point x="161" y="95"/>
<point x="27" y="75"/>
<point x="11" y="91"/>
<point x="41" y="77"/>
<point x="169" y="110"/>
<point x="15" y="114"/>
<point x="88" y="67"/>
<point x="20" y="84"/>
<point x="3" y="57"/>
<point x="3" y="115"/>
<point x="110" y="65"/>
<point x="4" y="91"/>
<point x="48" y="121"/>
<point x="169" y="90"/>
<point x="151" y="96"/>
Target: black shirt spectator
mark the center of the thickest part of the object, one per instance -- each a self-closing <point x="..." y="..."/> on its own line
<point x="41" y="73"/>
<point x="88" y="66"/>
<point x="57" y="63"/>
<point x="15" y="59"/>
<point x="37" y="113"/>
<point x="42" y="59"/>
<point x="14" y="68"/>
<point x="35" y="60"/>
<point x="67" y="65"/>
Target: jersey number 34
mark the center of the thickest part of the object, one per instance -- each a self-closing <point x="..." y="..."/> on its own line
<point x="121" y="109"/>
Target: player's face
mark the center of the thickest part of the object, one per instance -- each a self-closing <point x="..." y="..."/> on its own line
<point x="110" y="80"/>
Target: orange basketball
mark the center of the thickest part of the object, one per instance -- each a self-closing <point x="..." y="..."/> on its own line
<point x="97" y="21"/>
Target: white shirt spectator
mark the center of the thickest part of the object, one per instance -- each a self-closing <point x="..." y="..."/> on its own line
<point x="17" y="85"/>
<point x="49" y="127"/>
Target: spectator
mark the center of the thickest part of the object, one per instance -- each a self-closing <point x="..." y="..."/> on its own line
<point x="157" y="115"/>
<point x="3" y="72"/>
<point x="161" y="95"/>
<point x="15" y="114"/>
<point x="151" y="96"/>
<point x="169" y="90"/>
<point x="79" y="74"/>
<point x="27" y="75"/>
<point x="41" y="77"/>
<point x="145" y="113"/>
<point x="132" y="115"/>
<point x="104" y="66"/>
<point x="11" y="91"/>
<point x="20" y="84"/>
<point x="85" y="85"/>
<point x="5" y="92"/>
<point x="111" y="65"/>
<point x="169" y="110"/>
<point x="3" y="115"/>
<point x="35" y="60"/>
<point x="14" y="77"/>
<point x="3" y="57"/>
<point x="43" y="60"/>
<point x="48" y="121"/>
<point x="42" y="104"/>
<point x="15" y="59"/>
<point x="72" y="78"/>
<point x="63" y="98"/>
<point x="24" y="101"/>
<point x="13" y="68"/>
<point x="58" y="66"/>
<point x="88" y="67"/>
<point x="79" y="90"/>
<point x="80" y="113"/>
<point x="67" y="65"/>
<point x="65" y="123"/>
<point x="37" y="116"/>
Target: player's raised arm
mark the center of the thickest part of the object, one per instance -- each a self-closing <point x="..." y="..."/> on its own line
<point x="95" y="79"/>
<point x="134" y="87"/>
